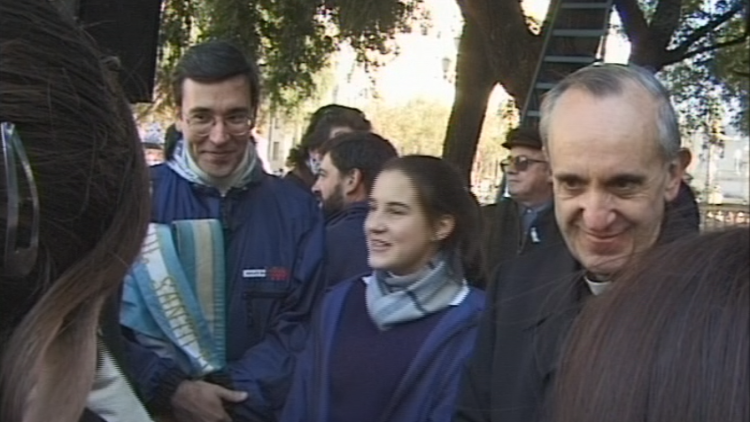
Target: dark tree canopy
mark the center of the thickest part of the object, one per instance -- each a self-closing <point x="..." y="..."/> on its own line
<point x="291" y="39"/>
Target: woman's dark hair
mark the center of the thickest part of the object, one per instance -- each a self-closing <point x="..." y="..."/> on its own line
<point x="216" y="61"/>
<point x="670" y="342"/>
<point x="318" y="131"/>
<point x="441" y="191"/>
<point x="171" y="137"/>
<point x="89" y="171"/>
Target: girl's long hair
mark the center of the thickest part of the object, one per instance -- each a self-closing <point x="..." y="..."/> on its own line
<point x="93" y="192"/>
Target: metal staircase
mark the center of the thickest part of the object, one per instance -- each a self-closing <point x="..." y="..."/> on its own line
<point x="574" y="39"/>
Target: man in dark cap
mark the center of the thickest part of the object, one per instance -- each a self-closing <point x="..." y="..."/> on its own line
<point x="525" y="220"/>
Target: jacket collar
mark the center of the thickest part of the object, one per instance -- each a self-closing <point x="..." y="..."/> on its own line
<point x="354" y="209"/>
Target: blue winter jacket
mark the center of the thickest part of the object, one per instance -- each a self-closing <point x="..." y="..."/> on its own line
<point x="346" y="247"/>
<point x="427" y="392"/>
<point x="274" y="249"/>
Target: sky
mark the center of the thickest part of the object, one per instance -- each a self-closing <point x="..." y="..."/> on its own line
<point x="424" y="66"/>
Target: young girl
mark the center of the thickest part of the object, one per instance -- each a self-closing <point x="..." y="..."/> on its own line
<point x="389" y="346"/>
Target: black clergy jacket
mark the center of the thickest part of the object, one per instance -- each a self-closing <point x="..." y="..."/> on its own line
<point x="532" y="302"/>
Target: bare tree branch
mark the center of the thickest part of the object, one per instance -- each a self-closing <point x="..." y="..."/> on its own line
<point x="633" y="20"/>
<point x="706" y="29"/>
<point x="665" y="22"/>
<point x="674" y="56"/>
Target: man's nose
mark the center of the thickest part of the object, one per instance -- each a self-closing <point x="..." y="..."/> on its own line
<point x="219" y="133"/>
<point x="316" y="188"/>
<point x="598" y="211"/>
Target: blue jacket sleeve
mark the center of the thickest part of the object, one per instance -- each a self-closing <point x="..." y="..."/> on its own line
<point x="265" y="370"/>
<point x="474" y="387"/>
<point x="304" y="390"/>
<point x="155" y="378"/>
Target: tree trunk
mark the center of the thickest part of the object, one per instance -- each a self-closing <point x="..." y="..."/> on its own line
<point x="474" y="84"/>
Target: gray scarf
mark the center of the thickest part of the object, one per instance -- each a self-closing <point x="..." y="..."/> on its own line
<point x="393" y="299"/>
<point x="248" y="171"/>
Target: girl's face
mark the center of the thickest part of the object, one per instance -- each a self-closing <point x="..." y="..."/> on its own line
<point x="401" y="238"/>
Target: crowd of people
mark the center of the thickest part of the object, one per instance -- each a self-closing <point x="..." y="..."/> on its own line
<point x="362" y="285"/>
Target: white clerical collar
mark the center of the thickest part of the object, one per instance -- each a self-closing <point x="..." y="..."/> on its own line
<point x="597" y="287"/>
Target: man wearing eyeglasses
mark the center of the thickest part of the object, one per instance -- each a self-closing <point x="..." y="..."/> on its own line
<point x="526" y="220"/>
<point x="273" y="246"/>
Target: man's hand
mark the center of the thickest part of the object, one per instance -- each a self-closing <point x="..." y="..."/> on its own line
<point x="199" y="401"/>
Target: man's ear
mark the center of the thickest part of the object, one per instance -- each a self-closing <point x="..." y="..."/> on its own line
<point x="443" y="228"/>
<point x="686" y="157"/>
<point x="675" y="173"/>
<point x="353" y="181"/>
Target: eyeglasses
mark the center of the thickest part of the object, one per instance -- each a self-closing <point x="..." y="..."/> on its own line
<point x="519" y="163"/>
<point x="21" y="243"/>
<point x="237" y="124"/>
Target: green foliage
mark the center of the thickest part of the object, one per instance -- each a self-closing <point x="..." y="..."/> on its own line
<point x="715" y="83"/>
<point x="416" y="127"/>
<point x="732" y="69"/>
<point x="291" y="39"/>
<point x="419" y="126"/>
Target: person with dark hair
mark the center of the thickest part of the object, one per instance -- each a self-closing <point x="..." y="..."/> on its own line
<point x="268" y="233"/>
<point x="73" y="213"/>
<point x="389" y="346"/>
<point x="153" y="152"/>
<point x="526" y="221"/>
<point x="347" y="171"/>
<point x="613" y="147"/>
<point x="327" y="122"/>
<point x="171" y="137"/>
<point x="669" y="342"/>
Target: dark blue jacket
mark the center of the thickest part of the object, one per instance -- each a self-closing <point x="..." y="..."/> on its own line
<point x="269" y="225"/>
<point x="427" y="392"/>
<point x="346" y="247"/>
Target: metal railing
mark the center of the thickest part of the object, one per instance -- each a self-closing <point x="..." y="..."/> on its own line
<point x="720" y="216"/>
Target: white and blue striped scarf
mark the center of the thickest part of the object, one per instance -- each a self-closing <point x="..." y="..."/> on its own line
<point x="392" y="300"/>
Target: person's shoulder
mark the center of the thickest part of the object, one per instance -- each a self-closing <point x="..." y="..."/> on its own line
<point x="338" y="291"/>
<point x="288" y="196"/>
<point x="533" y="270"/>
<point x="286" y="188"/>
<point x="476" y="298"/>
<point x="159" y="170"/>
<point x="348" y="222"/>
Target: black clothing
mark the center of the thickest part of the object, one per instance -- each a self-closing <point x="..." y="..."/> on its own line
<point x="532" y="303"/>
<point x="530" y="309"/>
<point x="504" y="236"/>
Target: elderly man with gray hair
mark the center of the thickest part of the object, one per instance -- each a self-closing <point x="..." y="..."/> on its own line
<point x="612" y="141"/>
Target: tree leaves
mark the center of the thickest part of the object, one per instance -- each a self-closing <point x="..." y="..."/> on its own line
<point x="292" y="40"/>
